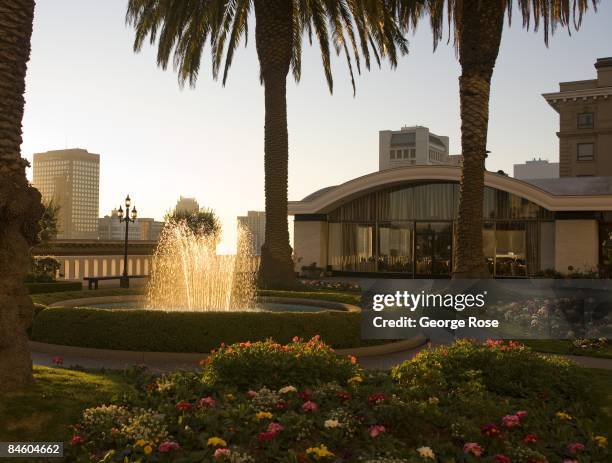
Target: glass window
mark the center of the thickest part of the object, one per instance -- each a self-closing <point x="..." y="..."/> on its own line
<point x="392" y="154"/>
<point x="435" y="201"/>
<point x="358" y="248"/>
<point x="488" y="245"/>
<point x="395" y="247"/>
<point x="395" y="204"/>
<point x="586" y="120"/>
<point x="510" y="250"/>
<point x="586" y="151"/>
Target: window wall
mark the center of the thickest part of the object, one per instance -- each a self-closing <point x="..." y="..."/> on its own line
<point x="409" y="230"/>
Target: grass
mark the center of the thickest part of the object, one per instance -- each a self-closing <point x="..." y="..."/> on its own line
<point x="50" y="298"/>
<point x="55" y="401"/>
<point x="565" y="347"/>
<point x="601" y="380"/>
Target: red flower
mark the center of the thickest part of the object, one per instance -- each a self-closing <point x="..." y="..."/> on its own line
<point x="499" y="458"/>
<point x="266" y="436"/>
<point x="376" y="430"/>
<point x="530" y="438"/>
<point x="575" y="447"/>
<point x="57" y="360"/>
<point x="521" y="414"/>
<point x="353" y="359"/>
<point x="305" y="395"/>
<point x="376" y="398"/>
<point x="490" y="430"/>
<point x="280" y="405"/>
<point x="76" y="440"/>
<point x="343" y="396"/>
<point x="275" y="428"/>
<point x="183" y="406"/>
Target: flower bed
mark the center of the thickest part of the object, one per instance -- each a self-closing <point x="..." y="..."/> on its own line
<point x="438" y="407"/>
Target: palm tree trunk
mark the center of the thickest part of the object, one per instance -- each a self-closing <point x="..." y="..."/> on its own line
<point x="20" y="206"/>
<point x="274" y="40"/>
<point x="479" y="40"/>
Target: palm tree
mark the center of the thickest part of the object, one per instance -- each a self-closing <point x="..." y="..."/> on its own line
<point x="20" y="206"/>
<point x="182" y="28"/>
<point x="477" y="30"/>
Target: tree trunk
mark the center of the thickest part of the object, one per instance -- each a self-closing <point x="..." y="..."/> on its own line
<point x="479" y="39"/>
<point x="274" y="40"/>
<point x="20" y="206"/>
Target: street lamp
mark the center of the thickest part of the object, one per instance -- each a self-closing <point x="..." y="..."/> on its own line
<point x="124" y="282"/>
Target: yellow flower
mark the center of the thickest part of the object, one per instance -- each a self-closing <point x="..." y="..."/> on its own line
<point x="230" y="397"/>
<point x="355" y="379"/>
<point x="140" y="442"/>
<point x="319" y="452"/>
<point x="426" y="452"/>
<point x="563" y="416"/>
<point x="601" y="441"/>
<point x="263" y="415"/>
<point x="148" y="449"/>
<point x="433" y="400"/>
<point x="332" y="424"/>
<point x="216" y="442"/>
<point x="287" y="390"/>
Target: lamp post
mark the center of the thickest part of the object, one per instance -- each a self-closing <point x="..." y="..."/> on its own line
<point x="124" y="282"/>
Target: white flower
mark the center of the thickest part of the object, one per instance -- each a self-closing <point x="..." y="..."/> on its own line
<point x="433" y="401"/>
<point x="332" y="424"/>
<point x="426" y="452"/>
<point x="287" y="390"/>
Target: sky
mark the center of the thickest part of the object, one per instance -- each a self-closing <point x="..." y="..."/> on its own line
<point x="86" y="88"/>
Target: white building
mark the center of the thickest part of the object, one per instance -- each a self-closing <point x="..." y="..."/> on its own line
<point x="411" y="146"/>
<point x="110" y="228"/>
<point x="536" y="168"/>
<point x="71" y="178"/>
<point x="255" y="223"/>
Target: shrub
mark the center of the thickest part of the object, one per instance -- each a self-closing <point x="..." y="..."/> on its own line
<point x="54" y="287"/>
<point x="158" y="331"/>
<point x="267" y="363"/>
<point x="505" y="368"/>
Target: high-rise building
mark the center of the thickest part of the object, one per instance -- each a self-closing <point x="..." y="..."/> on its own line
<point x="585" y="123"/>
<point x="150" y="229"/>
<point x="255" y="223"/>
<point x="144" y="229"/>
<point x="536" y="168"/>
<point x="186" y="205"/>
<point x="71" y="178"/>
<point x="411" y="146"/>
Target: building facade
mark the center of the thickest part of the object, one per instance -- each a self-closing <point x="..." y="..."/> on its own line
<point x="186" y="205"/>
<point x="401" y="222"/>
<point x="255" y="224"/>
<point x="585" y="123"/>
<point x="536" y="168"/>
<point x="144" y="229"/>
<point x="71" y="178"/>
<point x="411" y="146"/>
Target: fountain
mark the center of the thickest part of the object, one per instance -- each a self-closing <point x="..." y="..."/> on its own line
<point x="188" y="275"/>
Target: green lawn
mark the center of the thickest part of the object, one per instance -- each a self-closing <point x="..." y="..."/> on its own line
<point x="43" y="412"/>
<point x="50" y="298"/>
<point x="563" y="346"/>
<point x="601" y="380"/>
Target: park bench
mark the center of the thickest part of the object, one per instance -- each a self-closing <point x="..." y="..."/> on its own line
<point x="92" y="282"/>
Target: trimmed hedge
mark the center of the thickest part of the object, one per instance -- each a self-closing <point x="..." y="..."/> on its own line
<point x="54" y="287"/>
<point x="158" y="331"/>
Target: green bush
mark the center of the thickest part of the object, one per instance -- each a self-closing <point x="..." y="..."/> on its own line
<point x="268" y="364"/>
<point x="54" y="287"/>
<point x="158" y="331"/>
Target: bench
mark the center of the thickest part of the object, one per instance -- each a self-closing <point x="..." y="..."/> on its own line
<point x="92" y="282"/>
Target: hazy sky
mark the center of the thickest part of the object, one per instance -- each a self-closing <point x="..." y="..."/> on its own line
<point x="86" y="88"/>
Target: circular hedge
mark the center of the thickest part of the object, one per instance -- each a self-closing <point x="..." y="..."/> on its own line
<point x="158" y="331"/>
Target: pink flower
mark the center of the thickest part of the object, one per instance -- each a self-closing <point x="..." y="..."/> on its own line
<point x="275" y="428"/>
<point x="499" y="458"/>
<point x="250" y="394"/>
<point x="280" y="405"/>
<point x="376" y="430"/>
<point x="221" y="453"/>
<point x="310" y="406"/>
<point x="266" y="436"/>
<point x="168" y="446"/>
<point x="182" y="405"/>
<point x="570" y="460"/>
<point x="207" y="402"/>
<point x="510" y="421"/>
<point x="57" y="360"/>
<point x="473" y="448"/>
<point x="575" y="447"/>
<point x="76" y="440"/>
<point x="521" y="414"/>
